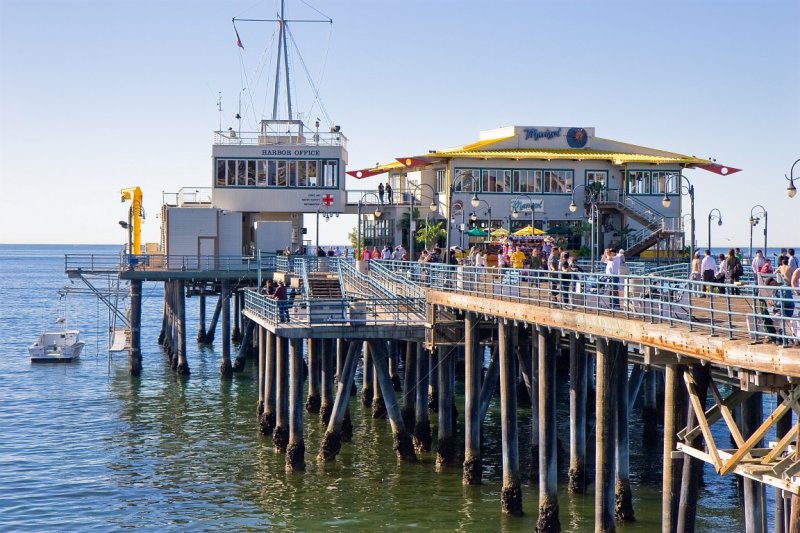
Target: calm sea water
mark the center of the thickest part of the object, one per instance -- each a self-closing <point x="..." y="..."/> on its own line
<point x="86" y="447"/>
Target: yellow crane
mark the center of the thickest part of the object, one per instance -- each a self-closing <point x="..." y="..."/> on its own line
<point x="135" y="217"/>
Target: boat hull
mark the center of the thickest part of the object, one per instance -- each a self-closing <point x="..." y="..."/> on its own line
<point x="56" y="347"/>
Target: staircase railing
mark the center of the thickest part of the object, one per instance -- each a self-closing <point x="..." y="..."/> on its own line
<point x="396" y="282"/>
<point x="653" y="218"/>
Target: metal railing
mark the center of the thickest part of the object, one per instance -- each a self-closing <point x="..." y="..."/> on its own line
<point x="396" y="198"/>
<point x="400" y="285"/>
<point x="165" y="263"/>
<point x="305" y="137"/>
<point x="342" y="312"/>
<point x="754" y="312"/>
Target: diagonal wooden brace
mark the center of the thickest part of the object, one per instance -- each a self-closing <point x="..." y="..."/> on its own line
<point x="700" y="413"/>
<point x="714" y="413"/>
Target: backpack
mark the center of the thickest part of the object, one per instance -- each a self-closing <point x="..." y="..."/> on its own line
<point x="737" y="270"/>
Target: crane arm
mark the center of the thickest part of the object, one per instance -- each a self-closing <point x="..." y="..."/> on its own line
<point x="134" y="195"/>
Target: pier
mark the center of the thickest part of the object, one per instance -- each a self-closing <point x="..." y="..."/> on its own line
<point x="707" y="356"/>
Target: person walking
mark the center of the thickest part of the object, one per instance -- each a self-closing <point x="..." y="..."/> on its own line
<point x="734" y="270"/>
<point x="708" y="267"/>
<point x="380" y="192"/>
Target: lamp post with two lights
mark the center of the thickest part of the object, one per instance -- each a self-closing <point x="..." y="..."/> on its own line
<point x="411" y="222"/>
<point x="666" y="202"/>
<point x="755" y="218"/>
<point x="377" y="214"/>
<point x="594" y="220"/>
<point x="475" y="201"/>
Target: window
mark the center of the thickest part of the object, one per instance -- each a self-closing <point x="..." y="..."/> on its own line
<point x="251" y="173"/>
<point x="331" y="179"/>
<point x="527" y="181"/>
<point x="220" y="173"/>
<point x="311" y="172"/>
<point x="292" y="170"/>
<point x="302" y="181"/>
<point x="639" y="182"/>
<point x="557" y="181"/>
<point x="261" y="173"/>
<point x="663" y="182"/>
<point x="597" y="176"/>
<point x="465" y="180"/>
<point x="281" y="173"/>
<point x="241" y="170"/>
<point x="272" y="173"/>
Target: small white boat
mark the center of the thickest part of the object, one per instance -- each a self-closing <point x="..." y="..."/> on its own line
<point x="62" y="346"/>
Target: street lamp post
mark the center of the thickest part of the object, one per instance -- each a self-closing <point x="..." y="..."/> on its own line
<point x="755" y="218"/>
<point x="475" y="201"/>
<point x="327" y="215"/>
<point x="515" y="211"/>
<point x="377" y="214"/>
<point x="791" y="190"/>
<point x="474" y="216"/>
<point x="666" y="201"/>
<point x="593" y="214"/>
<point x="714" y="214"/>
<point x="411" y="223"/>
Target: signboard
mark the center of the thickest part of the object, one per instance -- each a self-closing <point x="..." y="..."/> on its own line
<point x="524" y="204"/>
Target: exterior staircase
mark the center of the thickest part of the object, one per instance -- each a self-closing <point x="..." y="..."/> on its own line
<point x="324" y="286"/>
<point x="655" y="225"/>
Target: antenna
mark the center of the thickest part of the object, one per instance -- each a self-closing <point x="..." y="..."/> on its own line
<point x="219" y="108"/>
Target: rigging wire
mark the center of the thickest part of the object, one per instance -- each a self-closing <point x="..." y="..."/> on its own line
<point x="317" y="98"/>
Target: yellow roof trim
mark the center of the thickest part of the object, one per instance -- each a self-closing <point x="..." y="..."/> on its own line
<point x="617" y="158"/>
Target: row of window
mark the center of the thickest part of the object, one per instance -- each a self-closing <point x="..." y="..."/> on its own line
<point x="652" y="182"/>
<point x="277" y="173"/>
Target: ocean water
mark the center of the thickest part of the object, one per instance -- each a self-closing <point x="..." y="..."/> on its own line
<point x="86" y="447"/>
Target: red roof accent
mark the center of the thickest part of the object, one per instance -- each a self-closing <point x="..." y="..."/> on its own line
<point x="720" y="169"/>
<point x="364" y="173"/>
<point x="413" y="161"/>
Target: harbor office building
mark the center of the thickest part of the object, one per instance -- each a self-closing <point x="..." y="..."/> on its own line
<point x="261" y="184"/>
<point x="514" y="170"/>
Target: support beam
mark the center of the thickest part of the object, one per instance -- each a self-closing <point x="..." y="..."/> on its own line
<point x="409" y="384"/>
<point x="332" y="441"/>
<point x="548" y="453"/>
<point x="576" y="482"/>
<point x="327" y="368"/>
<point x="212" y="326"/>
<point x="422" y="426"/>
<point x="445" y="450"/>
<point x="490" y="382"/>
<point x="605" y="431"/>
<point x="511" y="493"/>
<point x="366" y="382"/>
<point x="755" y="497"/>
<point x="201" y="330"/>
<point x="401" y="440"/>
<point x="314" y="400"/>
<point x="622" y="491"/>
<point x="135" y="357"/>
<point x="268" y="419"/>
<point x="236" y="334"/>
<point x="473" y="367"/>
<point x="226" y="368"/>
<point x="244" y="346"/>
<point x="280" y="436"/>
<point x="674" y="420"/>
<point x="295" y="453"/>
<point x="262" y="373"/>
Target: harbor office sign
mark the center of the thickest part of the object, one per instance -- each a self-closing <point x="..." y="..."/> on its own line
<point x="554" y="137"/>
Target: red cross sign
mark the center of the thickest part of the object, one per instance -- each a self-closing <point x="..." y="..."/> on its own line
<point x="327" y="200"/>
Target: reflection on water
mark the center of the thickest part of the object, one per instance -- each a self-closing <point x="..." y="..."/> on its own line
<point x="85" y="448"/>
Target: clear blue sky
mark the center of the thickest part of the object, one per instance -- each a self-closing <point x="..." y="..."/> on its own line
<point x="99" y="95"/>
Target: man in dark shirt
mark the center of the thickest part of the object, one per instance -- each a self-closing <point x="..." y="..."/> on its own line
<point x="283" y="302"/>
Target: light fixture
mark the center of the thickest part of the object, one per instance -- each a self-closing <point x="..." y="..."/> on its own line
<point x="475" y="201"/>
<point x="378" y="212"/>
<point x="572" y="206"/>
<point x="433" y="207"/>
<point x="473" y="217"/>
<point x="515" y="213"/>
<point x="719" y="222"/>
<point x="666" y="202"/>
<point x="123" y="224"/>
<point x="791" y="190"/>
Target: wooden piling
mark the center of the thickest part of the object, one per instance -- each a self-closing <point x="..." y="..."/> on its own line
<point x="163" y="333"/>
<point x="295" y="453"/>
<point x="576" y="480"/>
<point x="782" y="427"/>
<point x="236" y="334"/>
<point x="392" y="350"/>
<point x="692" y="468"/>
<point x="332" y="441"/>
<point x="313" y="401"/>
<point x="244" y="345"/>
<point x="490" y="382"/>
<point x="433" y="383"/>
<point x="650" y="408"/>
<point x="268" y="418"/>
<point x="342" y="347"/>
<point x="135" y="357"/>
<point x="327" y="368"/>
<point x="212" y="326"/>
<point x="201" y="330"/>
<point x="409" y="384"/>
<point x="367" y="391"/>
<point x="378" y="405"/>
<point x="262" y="374"/>
<point x="604" y="443"/>
<point x="182" y="366"/>
<point x="511" y="493"/>
<point x="534" y="354"/>
<point x="623" y="509"/>
<point x="755" y="518"/>
<point x="280" y="436"/>
<point x="445" y="448"/>
<point x="674" y="420"/>
<point x="422" y="426"/>
<point x="226" y="369"/>
<point x="401" y="440"/>
<point x="548" y="452"/>
<point x="473" y="367"/>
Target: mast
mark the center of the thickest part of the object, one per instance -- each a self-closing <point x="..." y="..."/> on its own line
<point x="285" y="58"/>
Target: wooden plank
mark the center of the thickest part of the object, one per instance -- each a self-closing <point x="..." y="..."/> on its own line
<point x="713" y="414"/>
<point x="779" y="411"/>
<point x="700" y="414"/>
<point x="727" y="415"/>
<point x="781" y="445"/>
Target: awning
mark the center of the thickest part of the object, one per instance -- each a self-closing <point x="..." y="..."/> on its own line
<point x="527" y="231"/>
<point x="476" y="232"/>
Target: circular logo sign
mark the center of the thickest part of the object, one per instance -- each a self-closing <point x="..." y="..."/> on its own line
<point x="577" y="137"/>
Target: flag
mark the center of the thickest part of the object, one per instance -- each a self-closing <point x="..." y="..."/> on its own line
<point x="238" y="40"/>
